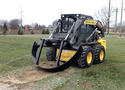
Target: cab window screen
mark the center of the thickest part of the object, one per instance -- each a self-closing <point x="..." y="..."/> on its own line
<point x="87" y="29"/>
<point x="67" y="23"/>
<point x="84" y="28"/>
<point x="90" y="28"/>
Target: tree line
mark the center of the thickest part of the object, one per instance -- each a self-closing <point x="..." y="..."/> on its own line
<point x="15" y="24"/>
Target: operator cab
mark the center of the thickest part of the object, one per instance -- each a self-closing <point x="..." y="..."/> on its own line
<point x="67" y="21"/>
<point x="80" y="31"/>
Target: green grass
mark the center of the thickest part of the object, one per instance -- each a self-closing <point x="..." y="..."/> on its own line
<point x="15" y="55"/>
<point x="15" y="52"/>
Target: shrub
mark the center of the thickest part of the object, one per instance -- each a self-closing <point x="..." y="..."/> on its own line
<point x="44" y="31"/>
<point x="4" y="32"/>
<point x="47" y="31"/>
<point x="20" y="32"/>
<point x="5" y="28"/>
<point x="32" y="32"/>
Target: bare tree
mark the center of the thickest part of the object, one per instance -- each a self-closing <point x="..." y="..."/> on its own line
<point x="14" y="24"/>
<point x="36" y="26"/>
<point x="103" y="15"/>
<point x="1" y="24"/>
<point x="33" y="25"/>
<point x="43" y="26"/>
<point x="123" y="27"/>
<point x="120" y="30"/>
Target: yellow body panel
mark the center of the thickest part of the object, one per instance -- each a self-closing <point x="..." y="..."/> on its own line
<point x="102" y="42"/>
<point x="93" y="22"/>
<point x="66" y="54"/>
<point x="90" y="22"/>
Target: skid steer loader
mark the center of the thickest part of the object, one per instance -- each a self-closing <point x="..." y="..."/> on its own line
<point x="76" y="39"/>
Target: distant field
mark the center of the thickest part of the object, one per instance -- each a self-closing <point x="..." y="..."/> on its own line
<point x="17" y="70"/>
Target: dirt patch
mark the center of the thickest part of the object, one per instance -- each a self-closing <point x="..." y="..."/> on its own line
<point x="25" y="76"/>
<point x="48" y="64"/>
<point x="28" y="75"/>
<point x="7" y="87"/>
<point x="3" y="86"/>
<point x="31" y="74"/>
<point x="13" y="82"/>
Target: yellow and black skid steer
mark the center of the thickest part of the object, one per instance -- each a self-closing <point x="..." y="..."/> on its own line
<point x="76" y="39"/>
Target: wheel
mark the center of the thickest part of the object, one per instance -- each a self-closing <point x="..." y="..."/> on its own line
<point x="51" y="54"/>
<point x="86" y="58"/>
<point x="99" y="54"/>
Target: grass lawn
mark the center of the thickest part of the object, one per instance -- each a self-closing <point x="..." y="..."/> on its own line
<point x="18" y="71"/>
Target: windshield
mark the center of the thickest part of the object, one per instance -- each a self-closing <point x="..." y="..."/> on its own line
<point x="67" y="23"/>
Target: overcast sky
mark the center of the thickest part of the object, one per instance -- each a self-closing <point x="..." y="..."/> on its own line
<point x="45" y="11"/>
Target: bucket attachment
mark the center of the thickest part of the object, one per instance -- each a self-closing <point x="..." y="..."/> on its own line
<point x="37" y="49"/>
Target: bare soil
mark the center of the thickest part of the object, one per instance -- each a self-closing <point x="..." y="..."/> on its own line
<point x="48" y="64"/>
<point x="26" y="76"/>
<point x="11" y="82"/>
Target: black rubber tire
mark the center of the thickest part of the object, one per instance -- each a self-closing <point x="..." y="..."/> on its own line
<point x="82" y="61"/>
<point x="98" y="49"/>
<point x="51" y="54"/>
